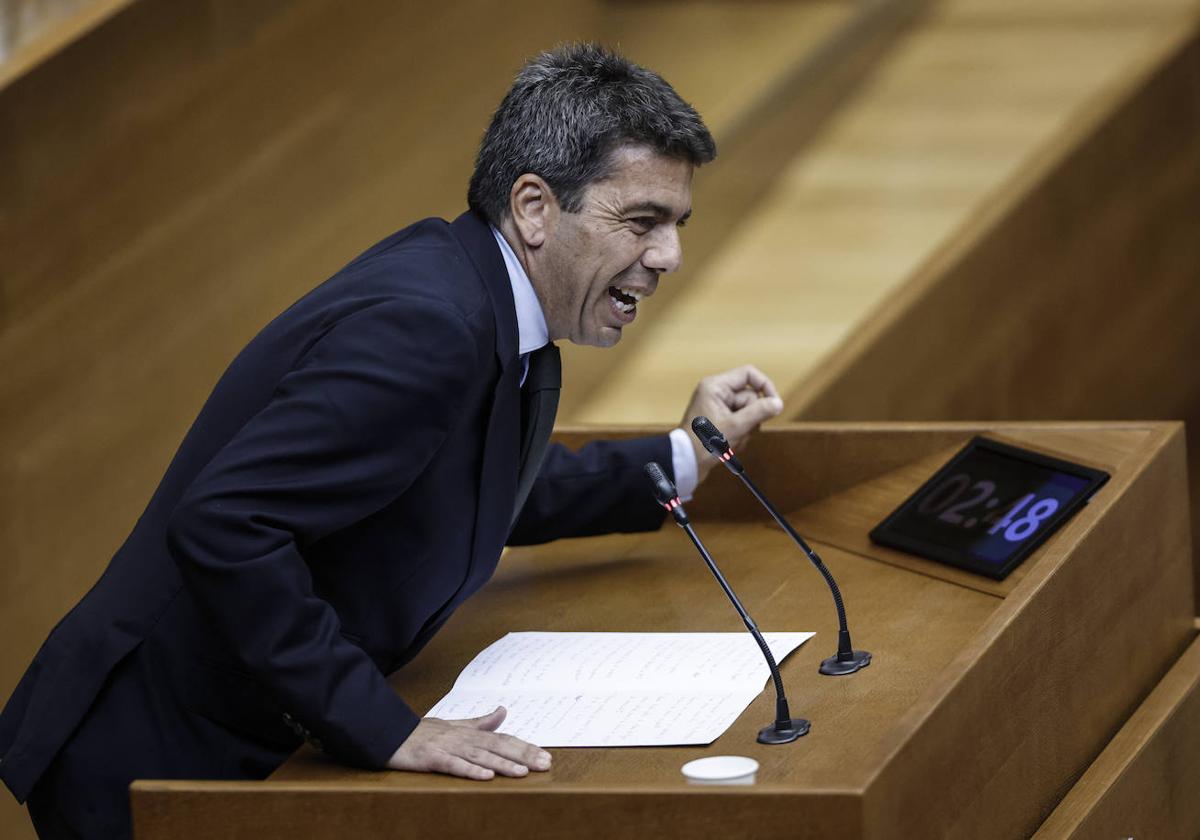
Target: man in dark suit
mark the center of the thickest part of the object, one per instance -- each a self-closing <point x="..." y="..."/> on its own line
<point x="359" y="467"/>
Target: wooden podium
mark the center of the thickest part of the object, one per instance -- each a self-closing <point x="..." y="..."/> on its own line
<point x="986" y="701"/>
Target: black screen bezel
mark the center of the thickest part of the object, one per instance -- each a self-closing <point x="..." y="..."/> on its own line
<point x="883" y="533"/>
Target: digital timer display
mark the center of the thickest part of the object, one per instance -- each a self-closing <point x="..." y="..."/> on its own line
<point x="989" y="507"/>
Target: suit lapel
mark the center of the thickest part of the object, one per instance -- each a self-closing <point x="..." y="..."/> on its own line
<point x="477" y="240"/>
<point x="502" y="438"/>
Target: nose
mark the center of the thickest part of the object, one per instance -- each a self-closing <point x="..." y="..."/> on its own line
<point x="665" y="253"/>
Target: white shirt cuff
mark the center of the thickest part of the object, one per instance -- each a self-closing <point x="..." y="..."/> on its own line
<point x="683" y="460"/>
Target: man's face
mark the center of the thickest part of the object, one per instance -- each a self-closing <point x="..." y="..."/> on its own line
<point x="598" y="263"/>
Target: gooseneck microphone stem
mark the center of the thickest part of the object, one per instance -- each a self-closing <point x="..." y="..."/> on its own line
<point x="845" y="649"/>
<point x="784" y="729"/>
<point x="847" y="660"/>
<point x="782" y="714"/>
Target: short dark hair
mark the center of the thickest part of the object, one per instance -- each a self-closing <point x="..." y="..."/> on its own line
<point x="565" y="114"/>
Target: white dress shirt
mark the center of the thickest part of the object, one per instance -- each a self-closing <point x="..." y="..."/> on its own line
<point x="532" y="333"/>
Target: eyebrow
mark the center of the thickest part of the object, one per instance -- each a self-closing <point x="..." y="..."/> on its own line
<point x="659" y="210"/>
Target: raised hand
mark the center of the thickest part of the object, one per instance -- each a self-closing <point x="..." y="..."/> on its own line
<point x="737" y="401"/>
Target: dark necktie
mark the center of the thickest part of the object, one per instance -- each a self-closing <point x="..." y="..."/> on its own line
<point x="539" y="403"/>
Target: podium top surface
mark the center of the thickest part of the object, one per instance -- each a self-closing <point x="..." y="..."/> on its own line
<point x="925" y="623"/>
<point x="658" y="583"/>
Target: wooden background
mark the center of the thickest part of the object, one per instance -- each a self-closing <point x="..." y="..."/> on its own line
<point x="173" y="174"/>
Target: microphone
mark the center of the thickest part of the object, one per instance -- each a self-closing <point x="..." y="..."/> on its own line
<point x="847" y="660"/>
<point x="785" y="729"/>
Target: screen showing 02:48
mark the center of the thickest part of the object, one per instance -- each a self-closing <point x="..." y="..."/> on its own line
<point x="987" y="505"/>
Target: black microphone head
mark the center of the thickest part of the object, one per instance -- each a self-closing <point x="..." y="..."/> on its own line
<point x="665" y="492"/>
<point x="716" y="443"/>
<point x="710" y="436"/>
<point x="664" y="488"/>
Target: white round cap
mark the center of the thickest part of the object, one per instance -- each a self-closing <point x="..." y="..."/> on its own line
<point x="720" y="768"/>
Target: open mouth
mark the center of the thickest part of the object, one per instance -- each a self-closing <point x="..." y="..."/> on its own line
<point x="626" y="300"/>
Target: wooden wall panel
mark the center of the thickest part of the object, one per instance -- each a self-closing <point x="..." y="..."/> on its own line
<point x="833" y="59"/>
<point x="1144" y="783"/>
<point x="965" y="98"/>
<point x="32" y="31"/>
<point x="1074" y="293"/>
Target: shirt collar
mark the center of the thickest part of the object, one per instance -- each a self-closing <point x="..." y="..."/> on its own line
<point x="532" y="331"/>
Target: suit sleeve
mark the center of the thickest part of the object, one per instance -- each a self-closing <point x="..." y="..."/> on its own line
<point x="346" y="431"/>
<point x="600" y="489"/>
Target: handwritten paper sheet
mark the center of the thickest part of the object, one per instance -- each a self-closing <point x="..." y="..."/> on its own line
<point x="616" y="689"/>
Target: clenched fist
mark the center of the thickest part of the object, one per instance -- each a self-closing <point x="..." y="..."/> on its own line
<point x="737" y="401"/>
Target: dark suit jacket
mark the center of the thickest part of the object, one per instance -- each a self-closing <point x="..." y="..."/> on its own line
<point x="348" y="484"/>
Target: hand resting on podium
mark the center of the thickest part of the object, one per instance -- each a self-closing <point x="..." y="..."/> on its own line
<point x="469" y="748"/>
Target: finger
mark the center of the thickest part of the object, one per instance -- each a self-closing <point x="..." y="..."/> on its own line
<point x="488" y="723"/>
<point x="760" y="382"/>
<point x="492" y="720"/>
<point x="497" y="763"/>
<point x="767" y="388"/>
<point x="743" y="398"/>
<point x="514" y="749"/>
<point x="757" y="412"/>
<point x="747" y="376"/>
<point x="454" y="765"/>
<point x="742" y="423"/>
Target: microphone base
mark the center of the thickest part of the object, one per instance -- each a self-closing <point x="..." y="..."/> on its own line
<point x="795" y="728"/>
<point x="834" y="667"/>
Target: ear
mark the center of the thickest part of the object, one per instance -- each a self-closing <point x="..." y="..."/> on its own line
<point x="534" y="209"/>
